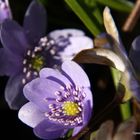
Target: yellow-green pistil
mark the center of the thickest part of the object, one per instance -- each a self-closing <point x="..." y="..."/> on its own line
<point x="70" y="108"/>
<point x="37" y="62"/>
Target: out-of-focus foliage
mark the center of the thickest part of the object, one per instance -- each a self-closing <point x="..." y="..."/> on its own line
<point x="90" y="12"/>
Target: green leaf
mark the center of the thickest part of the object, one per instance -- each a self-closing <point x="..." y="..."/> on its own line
<point x="120" y="5"/>
<point x="94" y="9"/>
<point x="125" y="110"/>
<point x="89" y="14"/>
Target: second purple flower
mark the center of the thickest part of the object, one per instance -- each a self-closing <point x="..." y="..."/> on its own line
<point x="26" y="50"/>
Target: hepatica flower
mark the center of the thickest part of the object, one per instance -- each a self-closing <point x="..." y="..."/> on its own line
<point x="134" y="55"/>
<point x="58" y="101"/>
<point x="5" y="11"/>
<point x="26" y="50"/>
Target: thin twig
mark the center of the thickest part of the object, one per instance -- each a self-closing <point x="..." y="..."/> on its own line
<point x="132" y="18"/>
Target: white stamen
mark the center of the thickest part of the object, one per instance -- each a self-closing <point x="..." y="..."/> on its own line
<point x="50" y="118"/>
<point x="52" y="42"/>
<point x="77" y="88"/>
<point x="28" y="74"/>
<point x="48" y="43"/>
<point x="43" y="44"/>
<point x="51" y="106"/>
<point x="75" y="93"/>
<point x="52" y="51"/>
<point x="44" y="39"/>
<point x="23" y="81"/>
<point x="59" y="99"/>
<point x="84" y="95"/>
<point x="24" y="61"/>
<point x="68" y="86"/>
<point x="47" y="114"/>
<point x="30" y="65"/>
<point x="59" y="110"/>
<point x="67" y="94"/>
<point x="66" y="123"/>
<point x="62" y="88"/>
<point x="24" y="70"/>
<point x="29" y="52"/>
<point x="35" y="73"/>
<point x="37" y="49"/>
<point x="54" y="119"/>
<point x="76" y="98"/>
<point x="57" y="93"/>
<point x="79" y="103"/>
<point x="33" y="55"/>
<point x="57" y="114"/>
<point x="80" y="109"/>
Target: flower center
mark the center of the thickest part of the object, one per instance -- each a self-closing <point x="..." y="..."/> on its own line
<point x="37" y="63"/>
<point x="35" y="59"/>
<point x="71" y="108"/>
<point x="67" y="107"/>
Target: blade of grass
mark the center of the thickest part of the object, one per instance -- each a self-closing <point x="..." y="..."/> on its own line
<point x="91" y="23"/>
<point x="94" y="9"/>
<point x="120" y="5"/>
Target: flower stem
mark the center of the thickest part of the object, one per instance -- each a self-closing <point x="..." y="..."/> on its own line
<point x="125" y="110"/>
<point x="132" y="18"/>
<point x="125" y="107"/>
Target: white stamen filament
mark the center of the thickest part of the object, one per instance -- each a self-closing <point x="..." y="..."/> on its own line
<point x="29" y="52"/>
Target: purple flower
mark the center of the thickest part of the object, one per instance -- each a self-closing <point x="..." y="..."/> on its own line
<point x="26" y="50"/>
<point x="134" y="55"/>
<point x="58" y="101"/>
<point x="5" y="11"/>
